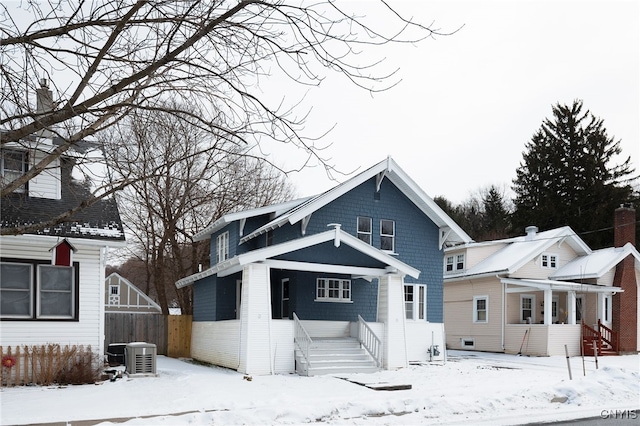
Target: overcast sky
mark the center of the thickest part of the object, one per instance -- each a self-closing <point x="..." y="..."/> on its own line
<point x="467" y="103"/>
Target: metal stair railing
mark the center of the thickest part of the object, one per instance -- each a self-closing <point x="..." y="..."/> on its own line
<point x="301" y="338"/>
<point x="369" y="341"/>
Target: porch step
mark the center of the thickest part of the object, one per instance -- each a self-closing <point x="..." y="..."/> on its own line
<point x="335" y="356"/>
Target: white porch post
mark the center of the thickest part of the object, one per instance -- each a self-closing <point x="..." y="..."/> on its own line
<point x="547" y="306"/>
<point x="571" y="307"/>
<point x="255" y="320"/>
<point x="600" y="307"/>
<point x="391" y="313"/>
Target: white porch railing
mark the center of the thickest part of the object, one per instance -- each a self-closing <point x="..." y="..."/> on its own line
<point x="301" y="338"/>
<point x="369" y="341"/>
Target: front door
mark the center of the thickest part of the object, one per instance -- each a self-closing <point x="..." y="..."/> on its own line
<point x="285" y="298"/>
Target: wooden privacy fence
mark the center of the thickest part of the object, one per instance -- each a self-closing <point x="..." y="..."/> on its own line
<point x="48" y="364"/>
<point x="170" y="333"/>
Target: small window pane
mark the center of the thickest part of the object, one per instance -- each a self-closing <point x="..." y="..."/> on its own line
<point x="15" y="290"/>
<point x="56" y="291"/>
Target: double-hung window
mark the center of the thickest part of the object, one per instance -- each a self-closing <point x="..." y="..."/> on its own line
<point x="481" y="309"/>
<point x="333" y="290"/>
<point x="454" y="262"/>
<point x="527" y="306"/>
<point x="38" y="290"/>
<point x="13" y="164"/>
<point x="364" y="229"/>
<point x="387" y="235"/>
<point x="415" y="301"/>
<point x="222" y="252"/>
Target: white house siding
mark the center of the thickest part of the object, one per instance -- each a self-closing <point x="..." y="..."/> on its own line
<point x="533" y="269"/>
<point x="282" y="346"/>
<point x="607" y="278"/>
<point x="458" y="315"/>
<point x="542" y="340"/>
<point x="47" y="183"/>
<point x="478" y="254"/>
<point x="216" y="342"/>
<point x="420" y="336"/>
<point x="564" y="334"/>
<point x="89" y="329"/>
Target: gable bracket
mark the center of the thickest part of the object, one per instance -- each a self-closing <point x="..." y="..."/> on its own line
<point x="444" y="234"/>
<point x="379" y="178"/>
<point x="242" y="222"/>
<point x="303" y="224"/>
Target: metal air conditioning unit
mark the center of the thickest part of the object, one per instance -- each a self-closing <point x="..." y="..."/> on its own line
<point x="141" y="359"/>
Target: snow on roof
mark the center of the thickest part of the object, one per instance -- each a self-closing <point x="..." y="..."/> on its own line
<point x="597" y="263"/>
<point x="520" y="250"/>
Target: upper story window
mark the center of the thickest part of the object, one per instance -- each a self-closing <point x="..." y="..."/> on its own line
<point x="222" y="252"/>
<point x="13" y="164"/>
<point x="333" y="290"/>
<point x="454" y="262"/>
<point x="387" y="235"/>
<point x="549" y="260"/>
<point x="364" y="229"/>
<point x="38" y="291"/>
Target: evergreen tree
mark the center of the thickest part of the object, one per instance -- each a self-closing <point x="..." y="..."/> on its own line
<point x="496" y="222"/>
<point x="567" y="177"/>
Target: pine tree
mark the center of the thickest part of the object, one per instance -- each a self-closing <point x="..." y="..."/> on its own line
<point x="567" y="177"/>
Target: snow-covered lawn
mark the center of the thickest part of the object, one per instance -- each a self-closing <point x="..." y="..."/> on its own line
<point x="471" y="387"/>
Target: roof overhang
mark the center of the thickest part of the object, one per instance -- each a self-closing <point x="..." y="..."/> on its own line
<point x="266" y="255"/>
<point x="523" y="285"/>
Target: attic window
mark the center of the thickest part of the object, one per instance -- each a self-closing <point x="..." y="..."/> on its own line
<point x="549" y="261"/>
<point x="13" y="165"/>
<point x="454" y="262"/>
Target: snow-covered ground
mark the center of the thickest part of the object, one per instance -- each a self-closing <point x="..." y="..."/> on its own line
<point x="470" y="388"/>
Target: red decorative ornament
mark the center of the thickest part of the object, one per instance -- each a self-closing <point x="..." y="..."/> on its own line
<point x="8" y="361"/>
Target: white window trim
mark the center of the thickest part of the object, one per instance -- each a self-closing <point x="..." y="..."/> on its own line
<point x="416" y="302"/>
<point x="392" y="236"/>
<point x="16" y="174"/>
<point x="370" y="233"/>
<point x="533" y="307"/>
<point x="552" y="260"/>
<point x="452" y="261"/>
<point x="326" y="298"/>
<point x="222" y="247"/>
<point x="486" y="309"/>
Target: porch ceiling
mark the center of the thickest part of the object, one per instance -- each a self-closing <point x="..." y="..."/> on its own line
<point x="529" y="284"/>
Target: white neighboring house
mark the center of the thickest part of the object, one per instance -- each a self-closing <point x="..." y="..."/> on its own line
<point x="535" y="294"/>
<point x="52" y="280"/>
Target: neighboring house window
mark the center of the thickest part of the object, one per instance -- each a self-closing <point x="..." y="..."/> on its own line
<point x="549" y="260"/>
<point x="387" y="235"/>
<point x="13" y="164"/>
<point x="364" y="229"/>
<point x="579" y="307"/>
<point x="38" y="291"/>
<point x="454" y="263"/>
<point x="415" y="301"/>
<point x="114" y="295"/>
<point x="606" y="308"/>
<point x="527" y="304"/>
<point x="223" y="247"/>
<point x="481" y="309"/>
<point x="333" y="290"/>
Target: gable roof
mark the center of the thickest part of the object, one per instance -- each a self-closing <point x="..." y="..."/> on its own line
<point x="597" y="263"/>
<point x="223" y="221"/>
<point x="236" y="263"/>
<point x="140" y="293"/>
<point x="450" y="232"/>
<point x="520" y="250"/>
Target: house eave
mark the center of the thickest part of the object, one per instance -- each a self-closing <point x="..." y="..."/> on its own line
<point x="558" y="286"/>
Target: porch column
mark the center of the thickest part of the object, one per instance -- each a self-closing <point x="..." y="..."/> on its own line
<point x="255" y="321"/>
<point x="391" y="313"/>
<point x="571" y="307"/>
<point x="600" y="307"/>
<point x="547" y="306"/>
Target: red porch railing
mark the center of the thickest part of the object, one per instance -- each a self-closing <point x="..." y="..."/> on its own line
<point x="603" y="335"/>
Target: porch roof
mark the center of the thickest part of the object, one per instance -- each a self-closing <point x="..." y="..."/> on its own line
<point x="596" y="264"/>
<point x="267" y="254"/>
<point x="524" y="284"/>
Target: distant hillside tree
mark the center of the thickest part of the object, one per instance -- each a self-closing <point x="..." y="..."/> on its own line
<point x="568" y="176"/>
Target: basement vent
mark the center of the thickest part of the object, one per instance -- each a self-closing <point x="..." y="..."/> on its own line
<point x="467" y="343"/>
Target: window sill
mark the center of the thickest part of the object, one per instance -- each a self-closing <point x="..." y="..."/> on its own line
<point x="333" y="300"/>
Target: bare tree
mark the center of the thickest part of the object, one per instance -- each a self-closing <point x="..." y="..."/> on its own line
<point x="108" y="59"/>
<point x="181" y="180"/>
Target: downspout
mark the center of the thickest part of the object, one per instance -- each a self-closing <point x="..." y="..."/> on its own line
<point x="502" y="321"/>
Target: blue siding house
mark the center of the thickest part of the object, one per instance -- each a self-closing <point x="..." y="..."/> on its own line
<point x="361" y="262"/>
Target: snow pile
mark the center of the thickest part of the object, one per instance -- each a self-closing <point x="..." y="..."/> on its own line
<point x="471" y="387"/>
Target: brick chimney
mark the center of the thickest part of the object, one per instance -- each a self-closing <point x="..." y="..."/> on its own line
<point x="44" y="104"/>
<point x="625" y="304"/>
